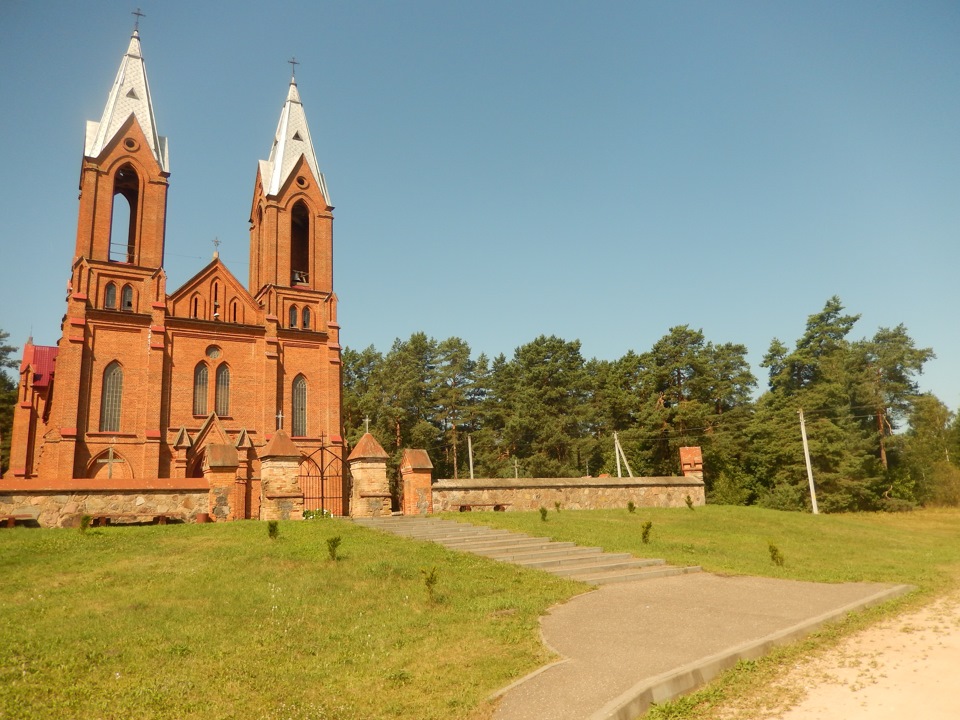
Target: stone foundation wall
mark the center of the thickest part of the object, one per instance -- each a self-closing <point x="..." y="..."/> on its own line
<point x="64" y="509"/>
<point x="571" y="493"/>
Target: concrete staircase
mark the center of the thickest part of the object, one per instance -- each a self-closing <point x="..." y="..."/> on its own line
<point x="587" y="564"/>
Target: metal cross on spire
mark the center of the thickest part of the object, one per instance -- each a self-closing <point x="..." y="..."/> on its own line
<point x="366" y="424"/>
<point x="216" y="247"/>
<point x="136" y="24"/>
<point x="280" y="420"/>
<point x="293" y="63"/>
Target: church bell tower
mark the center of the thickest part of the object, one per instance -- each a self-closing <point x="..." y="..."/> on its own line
<point x="123" y="178"/>
<point x="291" y="221"/>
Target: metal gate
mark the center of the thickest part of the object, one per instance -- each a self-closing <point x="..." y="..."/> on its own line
<point x="321" y="481"/>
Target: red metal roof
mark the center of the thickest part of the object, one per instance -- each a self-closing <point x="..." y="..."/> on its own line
<point x="40" y="359"/>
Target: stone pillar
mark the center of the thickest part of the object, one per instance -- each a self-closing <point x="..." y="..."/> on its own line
<point x="220" y="471"/>
<point x="370" y="490"/>
<point x="280" y="495"/>
<point x="415" y="469"/>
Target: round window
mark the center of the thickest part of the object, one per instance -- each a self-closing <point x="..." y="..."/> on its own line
<point x="301" y="181"/>
<point x="130" y="144"/>
<point x="213" y="352"/>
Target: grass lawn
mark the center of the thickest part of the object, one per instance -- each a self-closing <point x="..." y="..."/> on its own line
<point x="219" y="621"/>
<point x="921" y="548"/>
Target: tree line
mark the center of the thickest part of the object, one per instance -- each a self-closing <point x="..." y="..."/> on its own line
<point x="876" y="442"/>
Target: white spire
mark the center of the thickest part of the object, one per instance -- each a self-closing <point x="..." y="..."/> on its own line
<point x="130" y="94"/>
<point x="290" y="142"/>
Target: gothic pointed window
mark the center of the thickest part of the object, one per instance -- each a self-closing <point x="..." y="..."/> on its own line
<point x="222" y="400"/>
<point x="306" y="318"/>
<point x="110" y="296"/>
<point x="300" y="244"/>
<point x="126" y="299"/>
<point x="293" y="316"/>
<point x="123" y="226"/>
<point x="299" y="406"/>
<point x="200" y="374"/>
<point x="111" y="398"/>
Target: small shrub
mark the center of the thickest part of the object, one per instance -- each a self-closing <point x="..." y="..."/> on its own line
<point x="430" y="578"/>
<point x="776" y="557"/>
<point x="689" y="502"/>
<point x="631" y="508"/>
<point x="645" y="531"/>
<point x="332" y="545"/>
<point x="85" y="521"/>
<point x="318" y="514"/>
<point x="543" y="514"/>
<point x="557" y="505"/>
<point x="273" y="529"/>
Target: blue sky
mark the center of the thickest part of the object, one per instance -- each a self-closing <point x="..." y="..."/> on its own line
<point x="600" y="171"/>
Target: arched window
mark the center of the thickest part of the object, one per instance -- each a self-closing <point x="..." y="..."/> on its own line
<point x="306" y="318"/>
<point x="222" y="400"/>
<point x="216" y="301"/>
<point x="299" y="406"/>
<point x="200" y="374"/>
<point x="293" y="316"/>
<point x="126" y="299"/>
<point x="300" y="244"/>
<point x="195" y="307"/>
<point x="234" y="314"/>
<point x="110" y="296"/>
<point x="111" y="398"/>
<point x="123" y="226"/>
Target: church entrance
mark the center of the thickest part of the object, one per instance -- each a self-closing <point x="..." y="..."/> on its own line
<point x="321" y="481"/>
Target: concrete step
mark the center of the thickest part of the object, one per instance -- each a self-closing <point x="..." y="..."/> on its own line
<point x="524" y="549"/>
<point x="551" y="553"/>
<point x="452" y="533"/>
<point x="579" y="560"/>
<point x="475" y="544"/>
<point x="565" y="559"/>
<point x="632" y="574"/>
<point x="600" y="565"/>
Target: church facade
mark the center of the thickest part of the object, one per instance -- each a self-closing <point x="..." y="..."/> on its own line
<point x="144" y="381"/>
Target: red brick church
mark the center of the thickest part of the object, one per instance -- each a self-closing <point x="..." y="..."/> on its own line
<point x="143" y="381"/>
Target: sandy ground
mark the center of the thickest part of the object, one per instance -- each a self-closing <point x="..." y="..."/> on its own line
<point x="906" y="667"/>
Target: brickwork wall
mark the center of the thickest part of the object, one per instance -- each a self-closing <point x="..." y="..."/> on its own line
<point x="571" y="493"/>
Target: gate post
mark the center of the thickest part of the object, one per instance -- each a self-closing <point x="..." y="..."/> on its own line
<point x="415" y="469"/>
<point x="370" y="494"/>
<point x="280" y="495"/>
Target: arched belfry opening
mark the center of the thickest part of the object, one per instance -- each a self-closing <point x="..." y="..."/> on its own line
<point x="300" y="244"/>
<point x="123" y="228"/>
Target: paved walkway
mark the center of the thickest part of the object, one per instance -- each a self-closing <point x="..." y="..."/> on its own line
<point x="626" y="646"/>
<point x="654" y="633"/>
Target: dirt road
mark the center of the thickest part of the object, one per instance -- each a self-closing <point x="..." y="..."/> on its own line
<point x="906" y="667"/>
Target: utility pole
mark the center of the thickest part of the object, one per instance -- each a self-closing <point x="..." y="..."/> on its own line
<point x="455" y="475"/>
<point x="618" y="448"/>
<point x="470" y="452"/>
<point x="616" y="452"/>
<point x="806" y="456"/>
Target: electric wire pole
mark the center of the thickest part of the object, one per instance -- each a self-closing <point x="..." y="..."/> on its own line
<point x="806" y="456"/>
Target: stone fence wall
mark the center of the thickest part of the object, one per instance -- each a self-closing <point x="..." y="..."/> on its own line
<point x="62" y="504"/>
<point x="572" y="493"/>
